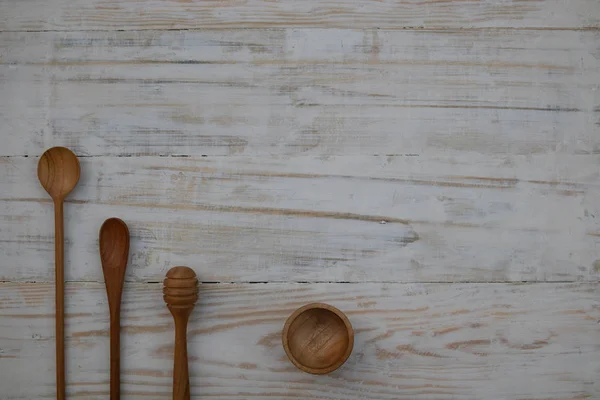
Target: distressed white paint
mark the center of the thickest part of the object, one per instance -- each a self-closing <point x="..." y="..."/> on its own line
<point x="340" y="147"/>
<point x="301" y="91"/>
<point x="199" y="14"/>
<point x="309" y="219"/>
<point x="413" y="341"/>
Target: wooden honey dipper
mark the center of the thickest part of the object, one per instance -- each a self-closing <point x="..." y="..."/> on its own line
<point x="180" y="293"/>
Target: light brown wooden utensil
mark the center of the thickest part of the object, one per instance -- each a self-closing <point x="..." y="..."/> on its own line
<point x="114" y="253"/>
<point x="318" y="338"/>
<point x="180" y="293"/>
<point x="58" y="172"/>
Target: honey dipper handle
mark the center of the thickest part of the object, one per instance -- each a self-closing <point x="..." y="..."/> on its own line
<point x="181" y="380"/>
<point x="59" y="268"/>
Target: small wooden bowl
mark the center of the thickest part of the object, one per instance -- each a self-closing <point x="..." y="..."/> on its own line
<point x="318" y="338"/>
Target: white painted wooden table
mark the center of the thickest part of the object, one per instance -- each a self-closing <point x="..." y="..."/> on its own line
<point x="430" y="168"/>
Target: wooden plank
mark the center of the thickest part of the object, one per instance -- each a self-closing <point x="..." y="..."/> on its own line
<point x="65" y="15"/>
<point x="409" y="219"/>
<point x="460" y="341"/>
<point x="300" y="91"/>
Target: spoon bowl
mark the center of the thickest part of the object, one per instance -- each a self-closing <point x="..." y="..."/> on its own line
<point x="114" y="248"/>
<point x="58" y="172"/>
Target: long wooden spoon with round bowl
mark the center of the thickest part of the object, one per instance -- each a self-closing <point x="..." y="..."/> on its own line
<point x="58" y="172"/>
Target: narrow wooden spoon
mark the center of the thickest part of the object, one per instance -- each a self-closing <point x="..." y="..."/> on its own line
<point x="58" y="172"/>
<point x="114" y="253"/>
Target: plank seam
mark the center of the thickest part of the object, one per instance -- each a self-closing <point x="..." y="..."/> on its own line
<point x="152" y="282"/>
<point x="271" y="28"/>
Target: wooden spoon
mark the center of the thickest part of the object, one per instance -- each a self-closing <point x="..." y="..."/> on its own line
<point x="114" y="253"/>
<point x="58" y="172"/>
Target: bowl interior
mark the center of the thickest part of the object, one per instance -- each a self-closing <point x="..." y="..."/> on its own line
<point x="318" y="338"/>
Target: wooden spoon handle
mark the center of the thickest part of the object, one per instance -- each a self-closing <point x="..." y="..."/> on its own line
<point x="59" y="248"/>
<point x="115" y="354"/>
<point x="181" y="379"/>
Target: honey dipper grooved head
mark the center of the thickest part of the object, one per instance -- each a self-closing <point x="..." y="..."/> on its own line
<point x="180" y="287"/>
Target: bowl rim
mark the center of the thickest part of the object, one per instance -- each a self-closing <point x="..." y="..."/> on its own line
<point x="340" y="361"/>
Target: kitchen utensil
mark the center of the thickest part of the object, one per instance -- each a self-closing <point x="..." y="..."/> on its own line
<point x="180" y="293"/>
<point x="318" y="338"/>
<point x="58" y="172"/>
<point x="114" y="253"/>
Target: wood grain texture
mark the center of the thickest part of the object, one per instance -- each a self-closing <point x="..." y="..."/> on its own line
<point x="369" y="148"/>
<point x="58" y="173"/>
<point x="180" y="292"/>
<point x="412" y="341"/>
<point x="318" y="338"/>
<point x="196" y="14"/>
<point x="114" y="255"/>
<point x="301" y="91"/>
<point x="408" y="219"/>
